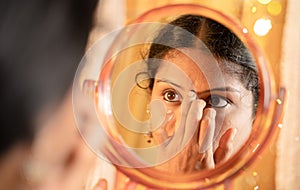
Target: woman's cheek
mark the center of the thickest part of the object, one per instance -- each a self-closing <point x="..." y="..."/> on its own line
<point x="243" y="133"/>
<point x="169" y="126"/>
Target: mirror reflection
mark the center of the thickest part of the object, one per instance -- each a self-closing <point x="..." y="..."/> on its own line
<point x="179" y="97"/>
<point x="202" y="92"/>
<point x="210" y="99"/>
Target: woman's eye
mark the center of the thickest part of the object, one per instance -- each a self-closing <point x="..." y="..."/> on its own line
<point x="218" y="101"/>
<point x="171" y="96"/>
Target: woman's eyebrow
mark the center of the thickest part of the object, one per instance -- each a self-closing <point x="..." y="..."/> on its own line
<point x="226" y="89"/>
<point x="169" y="82"/>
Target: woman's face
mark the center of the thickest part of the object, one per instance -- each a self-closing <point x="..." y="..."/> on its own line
<point x="187" y="72"/>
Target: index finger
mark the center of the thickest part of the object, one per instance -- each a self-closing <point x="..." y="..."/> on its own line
<point x="188" y="123"/>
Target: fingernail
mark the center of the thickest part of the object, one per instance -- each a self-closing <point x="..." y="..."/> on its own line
<point x="201" y="103"/>
<point x="209" y="113"/>
<point x="192" y="94"/>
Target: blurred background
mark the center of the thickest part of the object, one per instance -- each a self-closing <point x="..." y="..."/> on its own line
<point x="67" y="29"/>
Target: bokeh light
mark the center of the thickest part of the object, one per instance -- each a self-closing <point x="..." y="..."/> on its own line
<point x="245" y="30"/>
<point x="254" y="9"/>
<point x="274" y="8"/>
<point x="262" y="26"/>
<point x="264" y="2"/>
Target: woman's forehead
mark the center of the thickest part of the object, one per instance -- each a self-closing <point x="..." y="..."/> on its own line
<point x="191" y="65"/>
<point x="193" y="60"/>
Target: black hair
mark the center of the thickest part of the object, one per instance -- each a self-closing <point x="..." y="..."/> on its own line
<point x="234" y="58"/>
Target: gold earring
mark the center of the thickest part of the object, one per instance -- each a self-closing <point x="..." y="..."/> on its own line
<point x="149" y="134"/>
<point x="149" y="137"/>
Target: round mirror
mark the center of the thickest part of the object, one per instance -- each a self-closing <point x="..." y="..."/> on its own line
<point x="181" y="98"/>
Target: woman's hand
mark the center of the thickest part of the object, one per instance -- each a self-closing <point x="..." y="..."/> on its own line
<point x="206" y="139"/>
<point x="196" y="155"/>
<point x="196" y="136"/>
